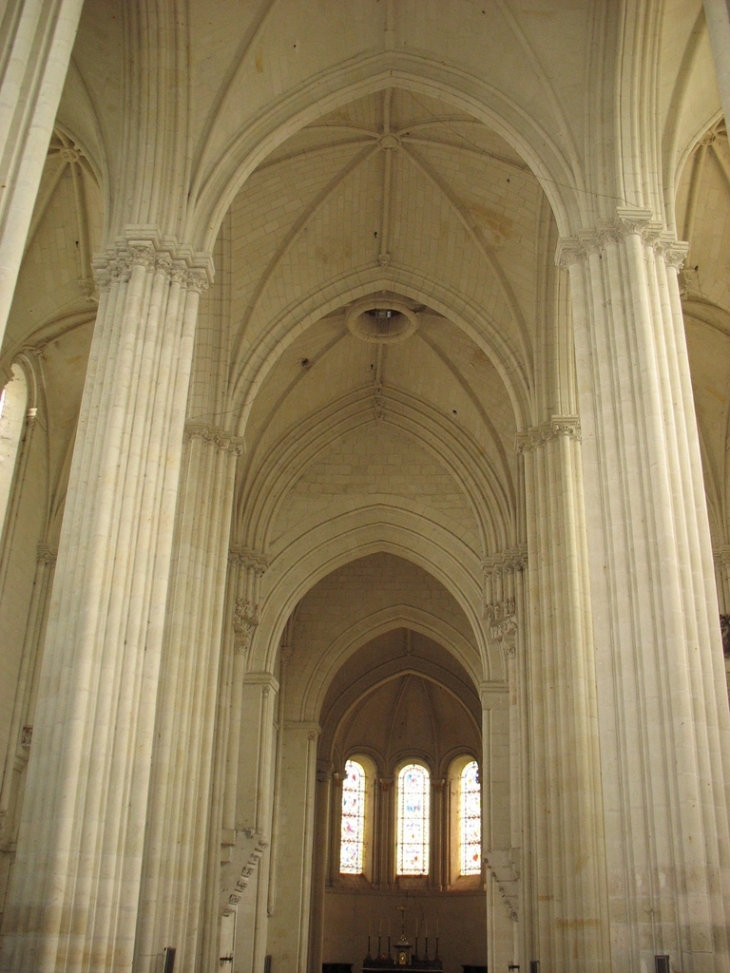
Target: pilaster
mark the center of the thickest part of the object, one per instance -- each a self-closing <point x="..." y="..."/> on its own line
<point x="662" y="704"/>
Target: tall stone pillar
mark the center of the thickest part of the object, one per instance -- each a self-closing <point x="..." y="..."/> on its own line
<point x="564" y="863"/>
<point x="501" y="873"/>
<point x="663" y="711"/>
<point x="323" y="864"/>
<point x="36" y="37"/>
<point x="171" y="902"/>
<point x="74" y="897"/>
<point x="289" y="926"/>
<point x="25" y="697"/>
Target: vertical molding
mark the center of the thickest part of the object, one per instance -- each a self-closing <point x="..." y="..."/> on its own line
<point x="324" y="825"/>
<point x="21" y="726"/>
<point x="565" y="860"/>
<point x="180" y="811"/>
<point x="76" y="885"/>
<point x="663" y="710"/>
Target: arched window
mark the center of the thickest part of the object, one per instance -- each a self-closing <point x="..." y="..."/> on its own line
<point x="414" y="791"/>
<point x="352" y="833"/>
<point x="13" y="405"/>
<point x="470" y="820"/>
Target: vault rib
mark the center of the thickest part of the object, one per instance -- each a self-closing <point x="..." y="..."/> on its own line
<point x="293" y="235"/>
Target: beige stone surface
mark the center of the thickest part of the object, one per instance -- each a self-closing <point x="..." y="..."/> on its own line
<point x="252" y="529"/>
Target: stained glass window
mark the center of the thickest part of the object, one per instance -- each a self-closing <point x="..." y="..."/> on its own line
<point x="413" y="820"/>
<point x="352" y="833"/>
<point x="470" y="820"/>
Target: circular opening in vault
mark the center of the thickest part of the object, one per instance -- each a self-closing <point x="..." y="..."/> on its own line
<point x="383" y="320"/>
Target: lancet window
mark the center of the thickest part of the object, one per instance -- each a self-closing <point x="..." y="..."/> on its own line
<point x="470" y="820"/>
<point x="352" y="832"/>
<point x="414" y="787"/>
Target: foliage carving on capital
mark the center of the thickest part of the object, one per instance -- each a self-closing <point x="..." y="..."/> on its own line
<point x="45" y="554"/>
<point x="503" y="625"/>
<point x="629" y="220"/>
<point x="216" y="436"/>
<point x="245" y="557"/>
<point x="674" y="252"/>
<point x="500" y="603"/>
<point x="607" y="233"/>
<point x="145" y="248"/>
<point x="557" y="427"/>
<point x="245" y="620"/>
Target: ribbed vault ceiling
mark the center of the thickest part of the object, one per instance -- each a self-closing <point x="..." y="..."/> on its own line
<point x="401" y="191"/>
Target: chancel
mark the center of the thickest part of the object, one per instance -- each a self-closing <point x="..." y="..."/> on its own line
<point x="404" y="953"/>
<point x="364" y="486"/>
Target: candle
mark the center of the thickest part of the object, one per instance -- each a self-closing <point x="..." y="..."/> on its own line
<point x="380" y="927"/>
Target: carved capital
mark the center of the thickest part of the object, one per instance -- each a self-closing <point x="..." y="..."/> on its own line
<point x="45" y="554"/>
<point x="569" y="251"/>
<point x="214" y="435"/>
<point x="246" y="558"/>
<point x="503" y="625"/>
<point x="245" y="620"/>
<point x="144" y="247"/>
<point x="674" y="253"/>
<point x="627" y="221"/>
<point x="547" y="432"/>
<point x="506" y="562"/>
<point x="630" y="220"/>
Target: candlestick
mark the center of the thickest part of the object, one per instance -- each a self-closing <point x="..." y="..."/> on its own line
<point x="427" y="942"/>
<point x="437" y="948"/>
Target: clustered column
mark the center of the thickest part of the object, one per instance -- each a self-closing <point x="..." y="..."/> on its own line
<point x="172" y="899"/>
<point x="662" y="704"/>
<point x="564" y="856"/>
<point x="74" y="896"/>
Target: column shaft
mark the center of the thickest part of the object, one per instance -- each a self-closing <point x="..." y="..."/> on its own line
<point x="663" y="710"/>
<point x="289" y="927"/>
<point x="565" y="859"/>
<point x="74" y="897"/>
<point x="175" y="849"/>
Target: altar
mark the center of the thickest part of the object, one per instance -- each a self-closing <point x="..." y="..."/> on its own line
<point x="403" y="954"/>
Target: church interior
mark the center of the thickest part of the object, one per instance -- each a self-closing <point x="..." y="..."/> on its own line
<point x="364" y="486"/>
